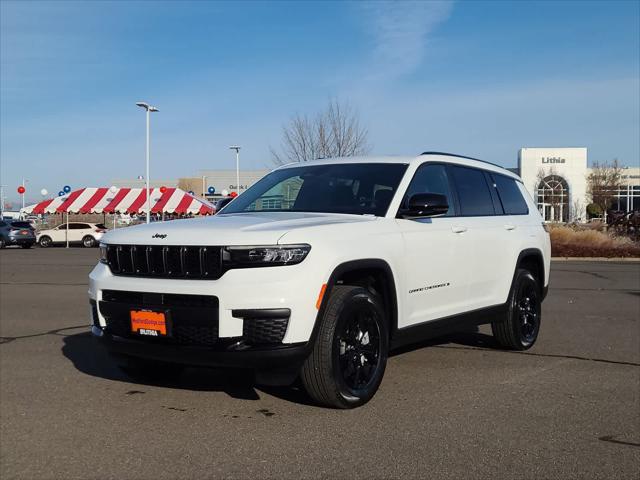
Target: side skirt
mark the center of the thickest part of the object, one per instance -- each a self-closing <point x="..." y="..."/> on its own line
<point x="446" y="325"/>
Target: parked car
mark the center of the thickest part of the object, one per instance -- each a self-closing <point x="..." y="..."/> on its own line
<point x="13" y="232"/>
<point x="88" y="234"/>
<point x="320" y="269"/>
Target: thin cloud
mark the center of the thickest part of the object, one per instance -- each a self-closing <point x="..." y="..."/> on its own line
<point x="401" y="32"/>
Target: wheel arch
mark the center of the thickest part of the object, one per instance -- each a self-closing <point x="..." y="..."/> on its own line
<point x="372" y="273"/>
<point x="532" y="260"/>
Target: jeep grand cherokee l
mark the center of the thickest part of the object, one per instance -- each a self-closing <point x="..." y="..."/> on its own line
<point x="321" y="268"/>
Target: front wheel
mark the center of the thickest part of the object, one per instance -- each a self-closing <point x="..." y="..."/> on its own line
<point x="349" y="357"/>
<point x="45" y="242"/>
<point x="519" y="328"/>
<point x="88" y="241"/>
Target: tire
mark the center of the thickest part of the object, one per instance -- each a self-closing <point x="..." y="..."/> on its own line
<point x="27" y="245"/>
<point x="347" y="363"/>
<point x="519" y="328"/>
<point x="45" y="241"/>
<point x="3" y="243"/>
<point x="144" y="370"/>
<point x="88" y="241"/>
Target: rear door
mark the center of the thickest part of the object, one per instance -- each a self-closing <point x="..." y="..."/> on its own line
<point x="516" y="225"/>
<point x="435" y="286"/>
<point x="482" y="252"/>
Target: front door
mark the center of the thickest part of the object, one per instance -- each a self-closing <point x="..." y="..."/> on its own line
<point x="435" y="286"/>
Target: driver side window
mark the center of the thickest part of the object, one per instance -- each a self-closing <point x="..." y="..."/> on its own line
<point x="431" y="178"/>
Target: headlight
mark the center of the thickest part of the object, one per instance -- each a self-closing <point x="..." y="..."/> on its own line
<point x="103" y="254"/>
<point x="263" y="256"/>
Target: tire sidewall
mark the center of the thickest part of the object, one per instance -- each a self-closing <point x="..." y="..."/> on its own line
<point x="45" y="242"/>
<point x="359" y="299"/>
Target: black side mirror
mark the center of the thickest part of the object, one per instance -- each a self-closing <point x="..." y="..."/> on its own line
<point x="425" y="205"/>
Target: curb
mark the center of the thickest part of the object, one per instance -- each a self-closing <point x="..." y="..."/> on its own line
<point x="595" y="259"/>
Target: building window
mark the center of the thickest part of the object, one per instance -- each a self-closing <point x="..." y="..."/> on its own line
<point x="553" y="199"/>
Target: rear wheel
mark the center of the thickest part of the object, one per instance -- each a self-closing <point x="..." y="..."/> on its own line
<point x="27" y="245"/>
<point x="88" y="241"/>
<point x="2" y="243"/>
<point x="519" y="328"/>
<point x="45" y="242"/>
<point x="349" y="357"/>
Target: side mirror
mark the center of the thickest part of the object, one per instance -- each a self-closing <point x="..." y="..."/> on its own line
<point x="426" y="205"/>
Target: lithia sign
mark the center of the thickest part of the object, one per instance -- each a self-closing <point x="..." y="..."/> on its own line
<point x="553" y="160"/>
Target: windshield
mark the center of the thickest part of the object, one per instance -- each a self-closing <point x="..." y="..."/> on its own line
<point x="355" y="188"/>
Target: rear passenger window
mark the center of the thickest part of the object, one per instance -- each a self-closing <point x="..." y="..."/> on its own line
<point x="473" y="191"/>
<point x="510" y="196"/>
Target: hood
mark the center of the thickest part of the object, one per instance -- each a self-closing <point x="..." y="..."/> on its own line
<point x="262" y="228"/>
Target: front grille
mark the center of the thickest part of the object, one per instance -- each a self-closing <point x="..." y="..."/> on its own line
<point x="194" y="318"/>
<point x="165" y="261"/>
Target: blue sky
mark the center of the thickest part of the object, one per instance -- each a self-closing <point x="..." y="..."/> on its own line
<point x="477" y="78"/>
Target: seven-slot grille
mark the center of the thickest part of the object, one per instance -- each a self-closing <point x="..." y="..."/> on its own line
<point x="165" y="261"/>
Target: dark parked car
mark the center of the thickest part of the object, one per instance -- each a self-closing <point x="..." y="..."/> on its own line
<point x="16" y="232"/>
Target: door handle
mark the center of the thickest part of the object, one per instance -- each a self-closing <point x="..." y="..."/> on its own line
<point x="458" y="229"/>
<point x="509" y="227"/>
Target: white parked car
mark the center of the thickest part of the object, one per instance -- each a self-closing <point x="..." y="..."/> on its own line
<point x="88" y="234"/>
<point x="320" y="269"/>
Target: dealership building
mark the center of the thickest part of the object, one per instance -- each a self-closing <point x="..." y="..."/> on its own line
<point x="556" y="178"/>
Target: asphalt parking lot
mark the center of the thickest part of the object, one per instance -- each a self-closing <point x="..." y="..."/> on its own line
<point x="453" y="408"/>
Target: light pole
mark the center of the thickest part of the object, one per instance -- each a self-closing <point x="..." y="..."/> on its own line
<point x="237" y="149"/>
<point x="149" y="109"/>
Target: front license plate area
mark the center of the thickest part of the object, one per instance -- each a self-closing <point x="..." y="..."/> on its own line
<point x="150" y="323"/>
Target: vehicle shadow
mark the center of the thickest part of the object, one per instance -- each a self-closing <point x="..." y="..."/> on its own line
<point x="471" y="337"/>
<point x="91" y="358"/>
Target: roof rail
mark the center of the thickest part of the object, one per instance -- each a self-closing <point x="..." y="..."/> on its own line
<point x="461" y="156"/>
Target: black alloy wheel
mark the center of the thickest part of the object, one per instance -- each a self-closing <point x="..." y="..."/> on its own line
<point x="519" y="327"/>
<point x="357" y="349"/>
<point x="529" y="313"/>
<point x="349" y="356"/>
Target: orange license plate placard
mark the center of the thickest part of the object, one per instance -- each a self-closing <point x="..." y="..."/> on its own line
<point x="146" y="322"/>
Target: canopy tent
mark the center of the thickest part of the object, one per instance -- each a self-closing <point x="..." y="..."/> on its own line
<point x="123" y="200"/>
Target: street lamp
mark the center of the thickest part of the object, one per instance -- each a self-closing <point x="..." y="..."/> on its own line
<point x="237" y="149"/>
<point x="149" y="109"/>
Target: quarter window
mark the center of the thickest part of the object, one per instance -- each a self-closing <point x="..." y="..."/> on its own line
<point x="473" y="192"/>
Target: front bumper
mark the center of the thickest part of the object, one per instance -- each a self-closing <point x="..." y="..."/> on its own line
<point x="237" y="291"/>
<point x="235" y="354"/>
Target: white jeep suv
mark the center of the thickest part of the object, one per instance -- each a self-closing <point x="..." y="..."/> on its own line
<point x="320" y="268"/>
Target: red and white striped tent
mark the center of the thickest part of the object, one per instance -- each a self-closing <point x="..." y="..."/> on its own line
<point x="123" y="200"/>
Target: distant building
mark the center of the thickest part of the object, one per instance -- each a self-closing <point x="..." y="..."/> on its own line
<point x="556" y="178"/>
<point x="200" y="184"/>
<point x="220" y="180"/>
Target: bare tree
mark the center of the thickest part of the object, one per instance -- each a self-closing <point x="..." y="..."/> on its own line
<point x="603" y="183"/>
<point x="335" y="132"/>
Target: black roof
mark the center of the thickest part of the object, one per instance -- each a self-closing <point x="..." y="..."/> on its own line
<point x="461" y="156"/>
